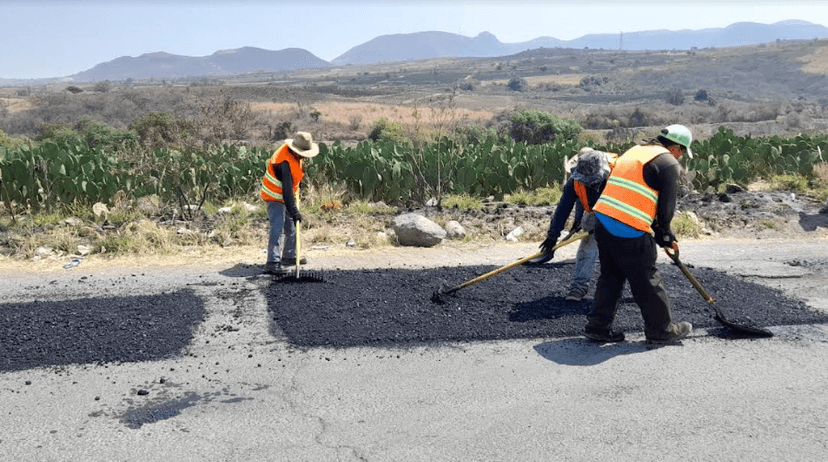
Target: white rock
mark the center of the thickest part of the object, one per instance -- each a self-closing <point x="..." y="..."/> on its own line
<point x="454" y="230"/>
<point x="43" y="251"/>
<point x="515" y="234"/>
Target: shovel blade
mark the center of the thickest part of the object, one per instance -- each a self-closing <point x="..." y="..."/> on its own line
<point x="741" y="329"/>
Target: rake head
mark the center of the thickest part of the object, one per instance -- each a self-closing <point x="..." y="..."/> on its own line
<point x="306" y="276"/>
<point x="439" y="295"/>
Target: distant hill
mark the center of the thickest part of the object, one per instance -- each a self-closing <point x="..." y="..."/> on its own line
<point x="434" y="44"/>
<point x="427" y="45"/>
<point x="226" y="62"/>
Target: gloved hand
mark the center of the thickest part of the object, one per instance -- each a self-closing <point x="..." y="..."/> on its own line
<point x="575" y="228"/>
<point x="664" y="238"/>
<point x="297" y="217"/>
<point x="547" y="244"/>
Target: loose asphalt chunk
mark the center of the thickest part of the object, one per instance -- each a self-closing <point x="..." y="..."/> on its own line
<point x="395" y="307"/>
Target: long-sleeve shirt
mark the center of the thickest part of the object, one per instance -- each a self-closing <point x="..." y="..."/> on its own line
<point x="569" y="199"/>
<point x="282" y="171"/>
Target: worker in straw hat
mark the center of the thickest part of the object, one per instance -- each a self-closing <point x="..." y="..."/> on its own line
<point x="633" y="219"/>
<point x="280" y="186"/>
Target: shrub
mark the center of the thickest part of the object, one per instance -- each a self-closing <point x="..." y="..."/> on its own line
<point x="354" y="122"/>
<point x="463" y="202"/>
<point x="701" y="95"/>
<point x="639" y="118"/>
<point x="468" y="84"/>
<point x="103" y="87"/>
<point x="795" y="183"/>
<point x="475" y="134"/>
<point x="160" y="129"/>
<point x="518" y="84"/>
<point x="386" y="130"/>
<point x="685" y="226"/>
<point x="536" y="127"/>
<point x="93" y="133"/>
<point x="12" y="143"/>
<point x="675" y="96"/>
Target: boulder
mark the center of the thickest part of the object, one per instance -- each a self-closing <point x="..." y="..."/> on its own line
<point x="417" y="231"/>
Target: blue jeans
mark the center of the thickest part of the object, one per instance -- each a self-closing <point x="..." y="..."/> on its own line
<point x="584" y="263"/>
<point x="280" y="222"/>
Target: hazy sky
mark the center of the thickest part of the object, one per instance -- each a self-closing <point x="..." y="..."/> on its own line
<point x="60" y="38"/>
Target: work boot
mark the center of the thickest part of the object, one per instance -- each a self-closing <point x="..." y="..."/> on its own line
<point x="292" y="261"/>
<point x="604" y="336"/>
<point x="576" y="294"/>
<point x="272" y="267"/>
<point x="675" y="332"/>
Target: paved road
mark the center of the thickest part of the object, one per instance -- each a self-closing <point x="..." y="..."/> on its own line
<point x="241" y="392"/>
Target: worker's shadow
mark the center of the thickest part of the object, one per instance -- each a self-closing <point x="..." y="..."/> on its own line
<point x="812" y="222"/>
<point x="584" y="352"/>
<point x="244" y="270"/>
<point x="552" y="307"/>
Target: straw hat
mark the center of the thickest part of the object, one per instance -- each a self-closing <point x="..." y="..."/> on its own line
<point x="302" y="144"/>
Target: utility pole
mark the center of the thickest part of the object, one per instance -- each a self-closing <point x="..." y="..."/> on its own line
<point x="621" y="41"/>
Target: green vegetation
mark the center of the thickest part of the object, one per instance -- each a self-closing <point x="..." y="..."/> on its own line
<point x="463" y="202"/>
<point x="685" y="226"/>
<point x="386" y="130"/>
<point x="538" y="197"/>
<point x="71" y="168"/>
<point x="538" y="127"/>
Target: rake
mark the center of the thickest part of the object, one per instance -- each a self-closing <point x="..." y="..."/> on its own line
<point x="443" y="290"/>
<point x="304" y="277"/>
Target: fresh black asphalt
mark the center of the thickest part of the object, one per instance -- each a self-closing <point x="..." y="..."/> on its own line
<point x="391" y="308"/>
<point x="396" y="307"/>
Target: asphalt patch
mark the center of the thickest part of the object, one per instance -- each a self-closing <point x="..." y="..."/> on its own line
<point x="97" y="330"/>
<point x="394" y="307"/>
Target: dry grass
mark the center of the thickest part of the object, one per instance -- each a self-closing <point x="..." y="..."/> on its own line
<point x="345" y="113"/>
<point x="15" y="105"/>
<point x="816" y="62"/>
<point x="571" y="80"/>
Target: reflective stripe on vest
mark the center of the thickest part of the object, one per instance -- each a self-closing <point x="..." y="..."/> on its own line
<point x="627" y="198"/>
<point x="271" y="189"/>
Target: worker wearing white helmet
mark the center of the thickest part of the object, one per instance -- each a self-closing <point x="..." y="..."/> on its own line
<point x="633" y="216"/>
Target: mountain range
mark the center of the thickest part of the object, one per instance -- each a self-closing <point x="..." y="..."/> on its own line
<point x="434" y="44"/>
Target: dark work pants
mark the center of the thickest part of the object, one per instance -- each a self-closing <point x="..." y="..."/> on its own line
<point x="633" y="260"/>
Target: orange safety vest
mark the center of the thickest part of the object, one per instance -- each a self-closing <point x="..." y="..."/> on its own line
<point x="627" y="198"/>
<point x="580" y="188"/>
<point x="271" y="189"/>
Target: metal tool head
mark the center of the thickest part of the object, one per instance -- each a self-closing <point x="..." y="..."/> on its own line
<point x="307" y="276"/>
